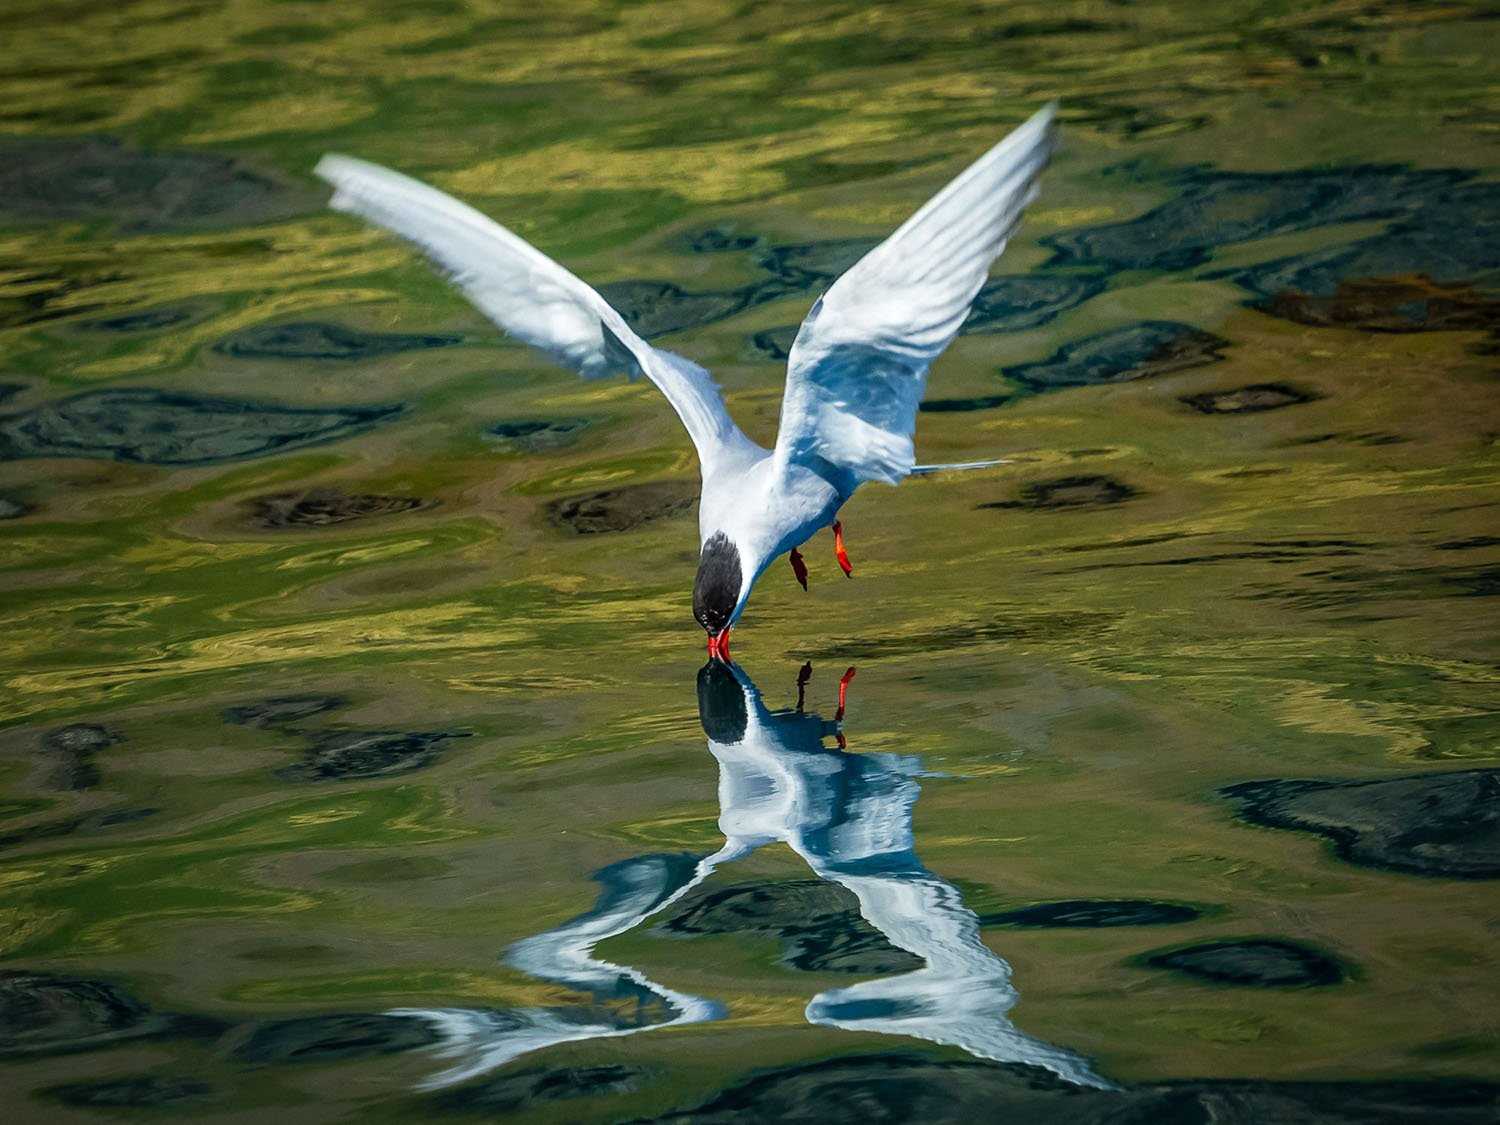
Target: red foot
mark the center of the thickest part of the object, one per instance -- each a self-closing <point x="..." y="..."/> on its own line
<point x="718" y="647"/>
<point x="799" y="568"/>
<point x="838" y="549"/>
<point x="838" y="716"/>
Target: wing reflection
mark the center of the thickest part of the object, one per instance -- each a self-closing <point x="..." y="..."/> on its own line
<point x="849" y="816"/>
<point x="483" y="1039"/>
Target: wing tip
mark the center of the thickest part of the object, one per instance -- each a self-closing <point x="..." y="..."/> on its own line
<point x="334" y="167"/>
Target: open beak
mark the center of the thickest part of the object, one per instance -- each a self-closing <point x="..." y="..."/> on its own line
<point x="718" y="646"/>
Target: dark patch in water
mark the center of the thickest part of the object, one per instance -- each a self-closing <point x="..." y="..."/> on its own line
<point x="39" y="296"/>
<point x="9" y="391"/>
<point x="1135" y="351"/>
<point x="819" y="924"/>
<point x="1390" y="304"/>
<point x="52" y="1014"/>
<point x="133" y="189"/>
<point x="356" y="755"/>
<point x="889" y="1087"/>
<point x="656" y="308"/>
<point x="1215" y="209"/>
<point x="1438" y="824"/>
<point x="1252" y="399"/>
<point x="1067" y="493"/>
<point x="1255" y="962"/>
<point x="1051" y="626"/>
<point x="534" y="435"/>
<point x="1452" y="237"/>
<point x="963" y="405"/>
<point x="809" y="265"/>
<point x="1094" y="914"/>
<point x="12" y="509"/>
<point x="169" y="428"/>
<point x="319" y="340"/>
<point x="1140" y="541"/>
<point x="1468" y="544"/>
<point x="283" y="711"/>
<point x="137" y="1091"/>
<point x="623" y="509"/>
<point x="775" y="343"/>
<point x="1016" y="302"/>
<point x="321" y="507"/>
<point x="74" y="826"/>
<point x="146" y="320"/>
<point x="76" y="745"/>
<point x="717" y="240"/>
<point x="320" y="1039"/>
<point x="516" y="1093"/>
<point x="340" y="754"/>
<point x="1368" y="438"/>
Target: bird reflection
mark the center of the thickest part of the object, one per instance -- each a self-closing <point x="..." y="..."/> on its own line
<point x="849" y="816"/>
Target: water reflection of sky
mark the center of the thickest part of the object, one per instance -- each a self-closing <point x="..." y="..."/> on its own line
<point x="849" y="816"/>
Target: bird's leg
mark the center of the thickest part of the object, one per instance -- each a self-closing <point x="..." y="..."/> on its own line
<point x="838" y="549"/>
<point x="838" y="716"/>
<point x="799" y="568"/>
<point x="803" y="675"/>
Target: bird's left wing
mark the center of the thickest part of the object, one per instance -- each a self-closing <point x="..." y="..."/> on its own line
<point x="529" y="295"/>
<point x="858" y="367"/>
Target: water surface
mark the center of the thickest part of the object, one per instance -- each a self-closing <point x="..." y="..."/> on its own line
<point x="356" y="757"/>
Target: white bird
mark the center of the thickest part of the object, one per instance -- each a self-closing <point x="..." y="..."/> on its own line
<point x="855" y="373"/>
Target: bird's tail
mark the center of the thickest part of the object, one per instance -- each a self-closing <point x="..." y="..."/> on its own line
<point x="955" y="467"/>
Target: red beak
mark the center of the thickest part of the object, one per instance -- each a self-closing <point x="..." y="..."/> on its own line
<point x="718" y="647"/>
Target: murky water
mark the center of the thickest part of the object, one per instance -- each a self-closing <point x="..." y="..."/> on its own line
<point x="356" y="754"/>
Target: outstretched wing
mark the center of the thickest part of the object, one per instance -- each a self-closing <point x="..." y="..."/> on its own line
<point x="858" y="367"/>
<point x="529" y="295"/>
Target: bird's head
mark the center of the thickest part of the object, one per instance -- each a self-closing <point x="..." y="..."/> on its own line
<point x="720" y="590"/>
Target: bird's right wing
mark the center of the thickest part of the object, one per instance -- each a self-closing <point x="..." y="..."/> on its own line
<point x="529" y="295"/>
<point x="858" y="366"/>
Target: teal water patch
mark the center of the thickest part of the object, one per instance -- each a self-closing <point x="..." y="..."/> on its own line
<point x="1134" y="351"/>
<point x="1213" y="209"/>
<point x="137" y="189"/>
<point x="321" y="340"/>
<point x="1093" y="914"/>
<point x="1252" y="963"/>
<point x="1439" y="824"/>
<point x="172" y="428"/>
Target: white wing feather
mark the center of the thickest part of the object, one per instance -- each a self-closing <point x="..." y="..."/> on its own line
<point x="858" y="367"/>
<point x="529" y="295"/>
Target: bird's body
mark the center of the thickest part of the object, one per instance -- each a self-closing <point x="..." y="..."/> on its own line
<point x="855" y="374"/>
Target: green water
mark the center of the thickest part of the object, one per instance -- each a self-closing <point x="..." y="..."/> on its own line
<point x="1249" y="532"/>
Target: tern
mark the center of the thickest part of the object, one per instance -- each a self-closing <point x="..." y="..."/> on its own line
<point x="856" y="371"/>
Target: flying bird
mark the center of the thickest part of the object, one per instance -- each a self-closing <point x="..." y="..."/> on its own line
<point x="855" y="373"/>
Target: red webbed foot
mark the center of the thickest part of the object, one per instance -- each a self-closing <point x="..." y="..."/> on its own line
<point x="838" y="549"/>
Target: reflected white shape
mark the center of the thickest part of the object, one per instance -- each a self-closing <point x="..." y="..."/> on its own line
<point x="849" y="816"/>
<point x="483" y="1039"/>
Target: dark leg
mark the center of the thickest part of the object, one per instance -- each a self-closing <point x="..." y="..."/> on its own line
<point x="803" y="676"/>
<point x="799" y="568"/>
